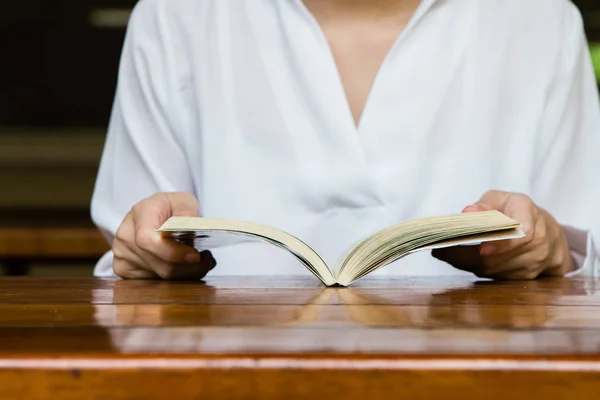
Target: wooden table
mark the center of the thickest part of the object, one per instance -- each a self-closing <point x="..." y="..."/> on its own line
<point x="273" y="338"/>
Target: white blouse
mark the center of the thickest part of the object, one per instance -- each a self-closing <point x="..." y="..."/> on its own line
<point x="240" y="103"/>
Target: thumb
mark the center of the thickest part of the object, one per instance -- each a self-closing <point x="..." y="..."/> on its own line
<point x="183" y="204"/>
<point x="492" y="200"/>
<point x="151" y="213"/>
<point x="495" y="200"/>
<point x="476" y="207"/>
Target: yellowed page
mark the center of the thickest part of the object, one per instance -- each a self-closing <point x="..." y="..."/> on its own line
<point x="207" y="233"/>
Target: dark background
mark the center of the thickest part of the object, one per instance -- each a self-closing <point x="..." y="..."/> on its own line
<point x="58" y="70"/>
<point x="59" y="64"/>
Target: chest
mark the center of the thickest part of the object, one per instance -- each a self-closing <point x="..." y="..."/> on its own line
<point x="274" y="93"/>
<point x="359" y="47"/>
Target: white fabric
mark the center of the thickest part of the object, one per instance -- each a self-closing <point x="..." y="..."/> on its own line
<point x="240" y="103"/>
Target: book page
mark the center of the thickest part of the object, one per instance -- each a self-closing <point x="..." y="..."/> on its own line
<point x="210" y="233"/>
<point x="474" y="240"/>
<point x="395" y="242"/>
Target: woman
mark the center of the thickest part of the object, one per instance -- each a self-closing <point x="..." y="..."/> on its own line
<point x="331" y="119"/>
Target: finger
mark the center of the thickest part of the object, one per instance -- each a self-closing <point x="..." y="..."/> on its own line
<point x="491" y="200"/>
<point x="160" y="207"/>
<point x="515" y="273"/>
<point x="526" y="265"/>
<point x="140" y="252"/>
<point x="494" y="199"/>
<point x="122" y="252"/>
<point x="194" y="271"/>
<point x="519" y="274"/>
<point x="174" y="271"/>
<point x="126" y="262"/>
<point x="465" y="258"/>
<point x="127" y="271"/>
<point x="504" y="247"/>
<point x="476" y="208"/>
<point x="165" y="249"/>
<point x="125" y="247"/>
<point x="523" y="210"/>
<point x="129" y="265"/>
<point x="145" y="265"/>
<point x="504" y="257"/>
<point x="133" y="262"/>
<point x="148" y="240"/>
<point x="533" y="255"/>
<point x="183" y="204"/>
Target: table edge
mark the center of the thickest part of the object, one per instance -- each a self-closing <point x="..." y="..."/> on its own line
<point x="585" y="363"/>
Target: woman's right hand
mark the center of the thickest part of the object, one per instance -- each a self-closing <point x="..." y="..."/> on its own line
<point x="142" y="253"/>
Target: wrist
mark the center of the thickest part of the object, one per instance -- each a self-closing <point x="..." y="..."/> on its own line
<point x="565" y="262"/>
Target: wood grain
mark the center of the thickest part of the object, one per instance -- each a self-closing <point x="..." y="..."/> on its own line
<point x="181" y="381"/>
<point x="271" y="337"/>
<point x="47" y="243"/>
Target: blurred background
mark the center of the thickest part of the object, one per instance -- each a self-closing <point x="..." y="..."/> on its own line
<point x="57" y="80"/>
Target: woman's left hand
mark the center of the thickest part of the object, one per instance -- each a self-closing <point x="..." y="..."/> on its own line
<point x="543" y="251"/>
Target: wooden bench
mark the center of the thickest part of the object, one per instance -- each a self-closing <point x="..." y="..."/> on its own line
<point x="28" y="240"/>
<point x="21" y="247"/>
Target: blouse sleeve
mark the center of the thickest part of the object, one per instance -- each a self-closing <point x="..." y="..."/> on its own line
<point x="143" y="153"/>
<point x="566" y="181"/>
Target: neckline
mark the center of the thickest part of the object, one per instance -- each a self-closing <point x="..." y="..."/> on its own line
<point x="358" y="127"/>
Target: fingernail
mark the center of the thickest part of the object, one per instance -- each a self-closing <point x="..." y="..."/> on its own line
<point x="207" y="256"/>
<point x="471" y="208"/>
<point x="192" y="257"/>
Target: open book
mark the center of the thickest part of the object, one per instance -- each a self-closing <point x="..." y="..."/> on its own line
<point x="375" y="251"/>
